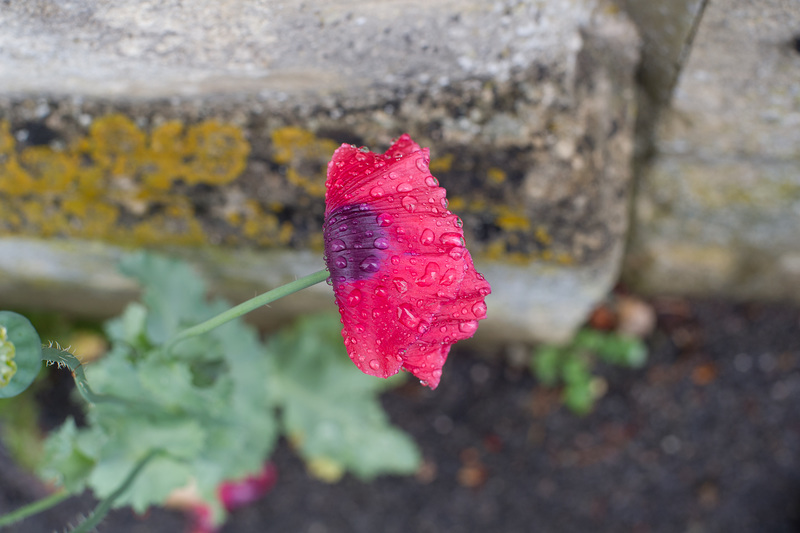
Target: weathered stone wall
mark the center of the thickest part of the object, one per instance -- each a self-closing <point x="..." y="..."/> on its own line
<point x="718" y="209"/>
<point x="204" y="130"/>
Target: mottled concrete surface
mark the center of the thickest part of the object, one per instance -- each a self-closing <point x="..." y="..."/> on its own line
<point x="667" y="29"/>
<point x="153" y="48"/>
<point x="718" y="211"/>
<point x="528" y="108"/>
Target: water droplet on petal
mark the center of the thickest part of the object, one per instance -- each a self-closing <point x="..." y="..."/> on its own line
<point x="430" y="276"/>
<point x="400" y="284"/>
<point x="409" y="203"/>
<point x="395" y="260"/>
<point x="458" y="222"/>
<point x="381" y="292"/>
<point x="405" y="187"/>
<point x="456" y="253"/>
<point x="479" y="309"/>
<point x="374" y="364"/>
<point x="427" y="237"/>
<point x="384" y="219"/>
<point x="423" y="326"/>
<point x="376" y="192"/>
<point x="392" y="175"/>
<point x="406" y="316"/>
<point x="468" y="327"/>
<point x="381" y="243"/>
<point x="354" y="298"/>
<point x="452" y="239"/>
<point x="422" y="165"/>
<point x="340" y="262"/>
<point x="430" y="181"/>
<point x="370" y="264"/>
<point x="449" y="277"/>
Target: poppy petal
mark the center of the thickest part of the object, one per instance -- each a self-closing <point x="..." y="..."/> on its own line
<point x="403" y="280"/>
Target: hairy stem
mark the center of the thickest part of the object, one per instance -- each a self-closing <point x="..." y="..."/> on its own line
<point x="32" y="508"/>
<point x="247" y="306"/>
<point x="64" y="358"/>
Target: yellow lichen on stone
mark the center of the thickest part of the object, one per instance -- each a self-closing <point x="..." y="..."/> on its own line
<point x="82" y="190"/>
<point x="10" y="219"/>
<point x="49" y="172"/>
<point x="510" y="220"/>
<point x="477" y="205"/>
<point x="95" y="220"/>
<point x="285" y="233"/>
<point x="542" y="236"/>
<point x="116" y="145"/>
<point x="305" y="155"/>
<point x="163" y="163"/>
<point x="316" y="242"/>
<point x="457" y="203"/>
<point x="14" y="181"/>
<point x="495" y="250"/>
<point x="564" y="258"/>
<point x="218" y="153"/>
<point x="259" y="225"/>
<point x="177" y="221"/>
<point x="442" y="164"/>
<point x="496" y="175"/>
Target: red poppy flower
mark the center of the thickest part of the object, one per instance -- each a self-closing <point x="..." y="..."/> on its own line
<point x="403" y="280"/>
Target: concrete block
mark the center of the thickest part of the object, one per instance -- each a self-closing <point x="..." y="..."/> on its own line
<point x="718" y="211"/>
<point x="205" y="130"/>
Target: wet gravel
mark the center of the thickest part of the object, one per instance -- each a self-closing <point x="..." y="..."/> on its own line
<point x="704" y="439"/>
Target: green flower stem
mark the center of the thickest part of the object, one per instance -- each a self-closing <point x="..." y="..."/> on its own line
<point x="32" y="508"/>
<point x="247" y="306"/>
<point x="63" y="358"/>
<point x="104" y="506"/>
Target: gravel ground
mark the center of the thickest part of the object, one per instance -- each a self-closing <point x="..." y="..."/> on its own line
<point x="704" y="439"/>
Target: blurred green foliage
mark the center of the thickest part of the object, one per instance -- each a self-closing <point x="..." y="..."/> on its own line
<point x="572" y="365"/>
<point x="216" y="404"/>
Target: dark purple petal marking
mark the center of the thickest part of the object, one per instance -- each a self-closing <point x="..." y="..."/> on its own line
<point x="355" y="243"/>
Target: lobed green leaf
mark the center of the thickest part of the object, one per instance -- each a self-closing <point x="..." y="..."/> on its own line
<point x="330" y="409"/>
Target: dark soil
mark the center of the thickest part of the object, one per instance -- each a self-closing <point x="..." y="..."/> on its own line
<point x="706" y="438"/>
